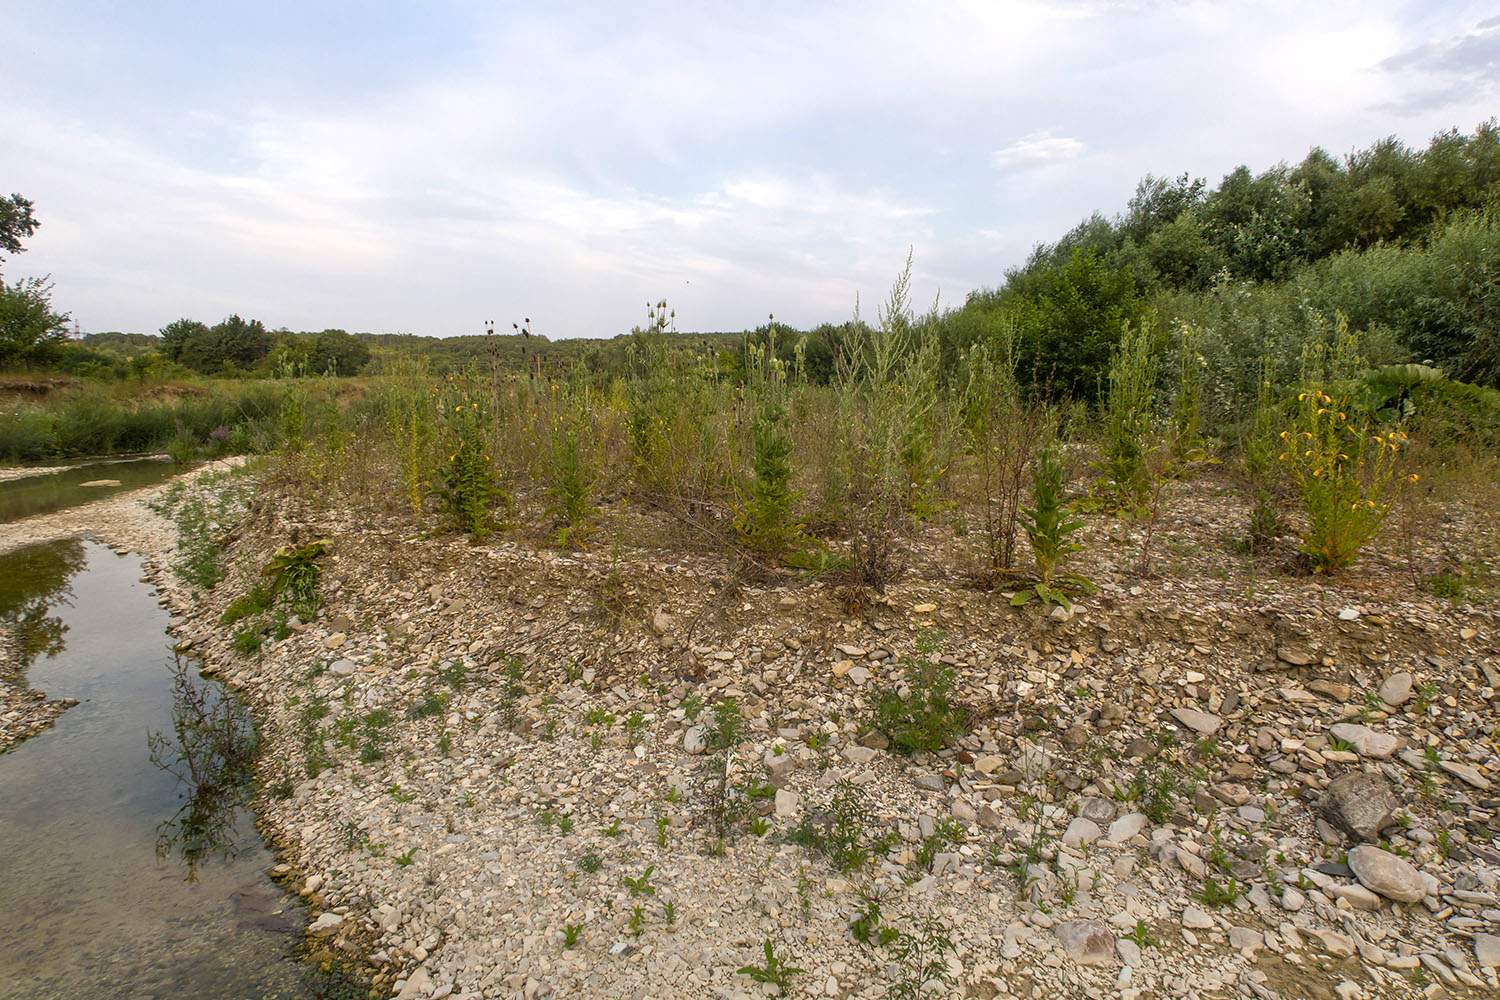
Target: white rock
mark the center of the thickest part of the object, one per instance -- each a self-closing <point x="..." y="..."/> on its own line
<point x="1081" y="831"/>
<point x="1127" y="826"/>
<point x="1194" y="917"/>
<point x="1383" y="872"/>
<point x="326" y="924"/>
<point x="1202" y="723"/>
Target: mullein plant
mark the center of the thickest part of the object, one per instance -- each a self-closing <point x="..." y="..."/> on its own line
<point x="1050" y="533"/>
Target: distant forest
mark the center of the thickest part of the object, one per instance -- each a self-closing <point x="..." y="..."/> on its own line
<point x="1399" y="243"/>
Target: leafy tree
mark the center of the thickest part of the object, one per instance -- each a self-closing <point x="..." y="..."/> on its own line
<point x="1069" y="319"/>
<point x="17" y="222"/>
<point x="233" y="343"/>
<point x="30" y="332"/>
<point x="338" y="352"/>
<point x="176" y="335"/>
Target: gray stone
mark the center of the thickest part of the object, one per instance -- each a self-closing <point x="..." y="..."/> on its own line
<point x="1246" y="940"/>
<point x="1081" y="831"/>
<point x="1383" y="872"/>
<point x="1397" y="689"/>
<point x="1130" y="952"/>
<point x="1196" y="918"/>
<point x="788" y="803"/>
<point x="326" y="924"/>
<point x="1360" y="804"/>
<point x="1202" y="723"/>
<point x="1087" y="942"/>
<point x="989" y="764"/>
<point x="693" y="742"/>
<point x="991" y="818"/>
<point x="1466" y="774"/>
<point x="1099" y="810"/>
<point x="1487" y="950"/>
<point x="859" y="755"/>
<point x="1357" y="896"/>
<point x="779" y="765"/>
<point x="930" y="781"/>
<point x="341" y="668"/>
<point x="1127" y="826"/>
<point x="1192" y="864"/>
<point x="417" y="985"/>
<point x="1366" y="741"/>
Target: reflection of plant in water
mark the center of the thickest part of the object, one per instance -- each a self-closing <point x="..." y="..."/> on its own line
<point x="212" y="751"/>
<point x="34" y="582"/>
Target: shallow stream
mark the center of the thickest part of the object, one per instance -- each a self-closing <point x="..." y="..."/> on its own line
<point x="79" y="484"/>
<point x="131" y="865"/>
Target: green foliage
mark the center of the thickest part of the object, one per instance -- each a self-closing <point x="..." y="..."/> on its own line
<point x="922" y="961"/>
<point x="928" y="718"/>
<point x="762" y="518"/>
<point x="233" y="343"/>
<point x="17" y="222"/>
<point x="101" y="421"/>
<point x="1068" y="318"/>
<point x="641" y="884"/>
<point x="775" y="971"/>
<point x="1001" y="433"/>
<point x="1187" y="401"/>
<point x="1049" y="531"/>
<point x="1129" y="419"/>
<point x="1343" y="467"/>
<point x="571" y="452"/>
<point x="840" y="831"/>
<point x="31" y="334"/>
<point x="1216" y="893"/>
<point x="293" y="571"/>
<point x="248" y="641"/>
<point x="466" y="482"/>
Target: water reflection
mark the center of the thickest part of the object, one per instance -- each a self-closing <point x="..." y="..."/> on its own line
<point x="211" y="751"/>
<point x="38" y="582"/>
<point x="93" y="902"/>
<point x="33" y="495"/>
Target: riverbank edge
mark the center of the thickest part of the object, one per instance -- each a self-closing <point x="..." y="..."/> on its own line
<point x="127" y="524"/>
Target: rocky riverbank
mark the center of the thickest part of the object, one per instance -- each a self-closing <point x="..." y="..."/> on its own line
<point x="124" y="522"/>
<point x="508" y="771"/>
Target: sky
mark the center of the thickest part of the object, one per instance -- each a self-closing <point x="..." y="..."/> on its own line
<point x="424" y="168"/>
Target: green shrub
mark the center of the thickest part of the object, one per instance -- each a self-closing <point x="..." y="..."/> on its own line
<point x="466" y="481"/>
<point x="929" y="717"/>
<point x="1128" y="419"/>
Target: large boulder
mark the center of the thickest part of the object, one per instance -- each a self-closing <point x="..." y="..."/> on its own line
<point x="1384" y="873"/>
<point x="1360" y="805"/>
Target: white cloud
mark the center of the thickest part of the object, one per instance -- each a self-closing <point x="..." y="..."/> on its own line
<point x="570" y="165"/>
<point x="1036" y="150"/>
